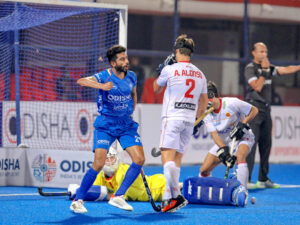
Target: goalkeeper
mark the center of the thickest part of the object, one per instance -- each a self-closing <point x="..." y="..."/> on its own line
<point x="112" y="175"/>
<point x="229" y="120"/>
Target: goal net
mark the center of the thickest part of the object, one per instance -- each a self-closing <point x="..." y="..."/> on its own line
<point x="44" y="49"/>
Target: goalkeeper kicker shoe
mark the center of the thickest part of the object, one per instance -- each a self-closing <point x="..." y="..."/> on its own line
<point x="120" y="202"/>
<point x="77" y="207"/>
<point x="240" y="196"/>
<point x="174" y="204"/>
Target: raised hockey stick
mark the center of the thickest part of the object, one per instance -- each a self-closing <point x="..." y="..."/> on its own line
<point x="50" y="194"/>
<point x="156" y="153"/>
<point x="157" y="208"/>
<point x="231" y="152"/>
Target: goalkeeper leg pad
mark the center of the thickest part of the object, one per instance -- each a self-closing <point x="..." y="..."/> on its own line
<point x="96" y="193"/>
<point x="72" y="188"/>
<point x="209" y="190"/>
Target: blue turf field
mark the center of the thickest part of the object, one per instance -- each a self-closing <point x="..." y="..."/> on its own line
<point x="274" y="206"/>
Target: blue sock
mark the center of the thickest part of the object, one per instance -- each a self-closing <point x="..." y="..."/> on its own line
<point x="86" y="183"/>
<point x="130" y="176"/>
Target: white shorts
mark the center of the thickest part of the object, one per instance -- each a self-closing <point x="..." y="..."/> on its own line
<point x="248" y="139"/>
<point x="175" y="134"/>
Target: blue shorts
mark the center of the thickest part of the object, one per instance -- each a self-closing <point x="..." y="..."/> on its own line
<point x="108" y="129"/>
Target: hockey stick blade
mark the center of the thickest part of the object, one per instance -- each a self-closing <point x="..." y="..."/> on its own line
<point x="157" y="208"/>
<point x="51" y="194"/>
<point x="155" y="152"/>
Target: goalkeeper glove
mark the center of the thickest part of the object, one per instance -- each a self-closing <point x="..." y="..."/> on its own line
<point x="239" y="131"/>
<point x="197" y="127"/>
<point x="168" y="61"/>
<point x="225" y="157"/>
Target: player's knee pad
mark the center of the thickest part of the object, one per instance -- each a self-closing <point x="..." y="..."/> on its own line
<point x="209" y="190"/>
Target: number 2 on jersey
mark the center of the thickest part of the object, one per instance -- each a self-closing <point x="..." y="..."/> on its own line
<point x="191" y="83"/>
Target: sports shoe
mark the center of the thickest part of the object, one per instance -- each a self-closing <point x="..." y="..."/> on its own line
<point x="77" y="207"/>
<point x="72" y="188"/>
<point x="119" y="201"/>
<point x="174" y="204"/>
<point x="251" y="185"/>
<point x="267" y="184"/>
<point x="240" y="196"/>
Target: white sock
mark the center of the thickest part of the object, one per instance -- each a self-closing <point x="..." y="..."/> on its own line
<point x="172" y="179"/>
<point x="243" y="173"/>
<point x="167" y="195"/>
<point x="176" y="191"/>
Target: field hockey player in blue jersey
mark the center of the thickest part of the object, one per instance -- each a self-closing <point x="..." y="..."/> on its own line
<point x="116" y="102"/>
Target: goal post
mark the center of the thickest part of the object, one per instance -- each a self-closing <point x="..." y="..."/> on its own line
<point x="123" y="10"/>
<point x="45" y="46"/>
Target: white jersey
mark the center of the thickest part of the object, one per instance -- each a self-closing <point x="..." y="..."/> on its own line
<point x="224" y="119"/>
<point x="185" y="82"/>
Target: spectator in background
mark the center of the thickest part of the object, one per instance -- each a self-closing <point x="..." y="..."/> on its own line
<point x="258" y="78"/>
<point x="66" y="86"/>
<point x="135" y="67"/>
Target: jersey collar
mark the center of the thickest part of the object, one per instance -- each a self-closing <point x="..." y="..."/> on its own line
<point x="219" y="109"/>
<point x="184" y="61"/>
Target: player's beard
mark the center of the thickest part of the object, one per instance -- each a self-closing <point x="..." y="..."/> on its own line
<point x="121" y="69"/>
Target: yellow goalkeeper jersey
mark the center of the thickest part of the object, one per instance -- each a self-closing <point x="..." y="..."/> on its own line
<point x="137" y="191"/>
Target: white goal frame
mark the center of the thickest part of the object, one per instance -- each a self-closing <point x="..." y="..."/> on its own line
<point x="123" y="16"/>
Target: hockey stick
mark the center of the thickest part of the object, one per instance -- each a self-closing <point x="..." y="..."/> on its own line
<point x="156" y="153"/>
<point x="231" y="152"/>
<point x="203" y="116"/>
<point x="50" y="194"/>
<point x="157" y="208"/>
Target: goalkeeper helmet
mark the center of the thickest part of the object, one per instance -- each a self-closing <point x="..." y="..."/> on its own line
<point x="212" y="90"/>
<point x="112" y="162"/>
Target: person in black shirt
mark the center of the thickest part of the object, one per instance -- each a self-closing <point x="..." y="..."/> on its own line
<point x="258" y="78"/>
<point x="135" y="67"/>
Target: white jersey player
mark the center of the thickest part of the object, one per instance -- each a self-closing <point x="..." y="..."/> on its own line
<point x="185" y="82"/>
<point x="229" y="120"/>
<point x="185" y="98"/>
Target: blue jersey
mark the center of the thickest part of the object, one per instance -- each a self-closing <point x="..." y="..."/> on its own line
<point x="116" y="102"/>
